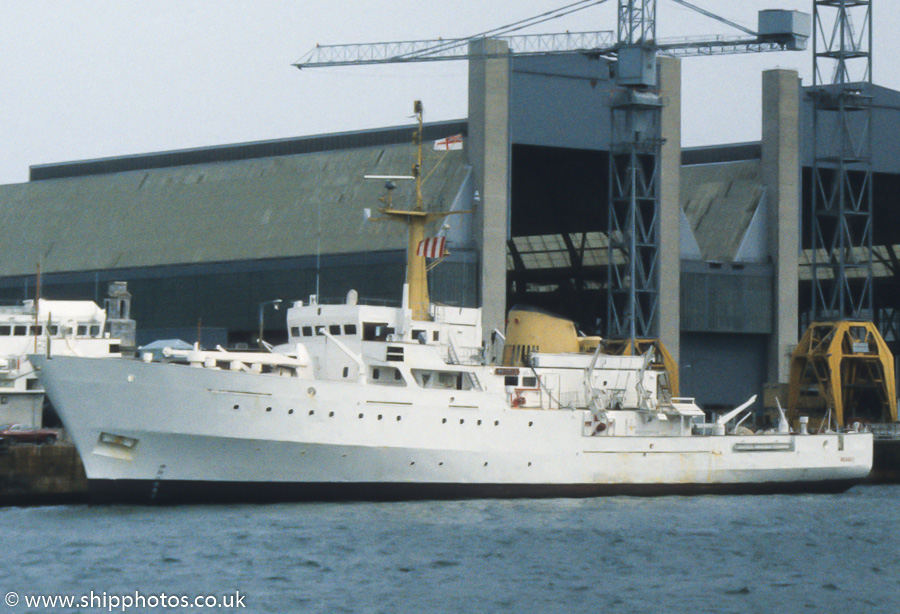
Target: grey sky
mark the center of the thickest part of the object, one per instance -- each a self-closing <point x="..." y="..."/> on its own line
<point x="89" y="79"/>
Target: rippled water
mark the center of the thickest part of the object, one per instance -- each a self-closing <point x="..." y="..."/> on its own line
<point x="808" y="553"/>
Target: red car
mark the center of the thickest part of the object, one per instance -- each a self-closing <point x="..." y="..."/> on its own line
<point x="19" y="433"/>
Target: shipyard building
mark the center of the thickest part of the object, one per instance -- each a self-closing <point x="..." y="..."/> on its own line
<point x="209" y="240"/>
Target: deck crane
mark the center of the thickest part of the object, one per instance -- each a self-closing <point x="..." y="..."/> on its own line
<point x="634" y="195"/>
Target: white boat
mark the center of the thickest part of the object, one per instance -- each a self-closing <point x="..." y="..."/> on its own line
<point x="58" y="327"/>
<point x="374" y="402"/>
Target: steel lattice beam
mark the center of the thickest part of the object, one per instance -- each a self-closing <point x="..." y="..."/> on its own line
<point x="597" y="43"/>
<point x="842" y="196"/>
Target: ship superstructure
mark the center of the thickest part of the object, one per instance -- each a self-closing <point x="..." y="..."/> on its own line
<point x="59" y="327"/>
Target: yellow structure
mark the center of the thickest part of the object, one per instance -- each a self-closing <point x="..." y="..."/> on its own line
<point x="536" y="331"/>
<point x="415" y="220"/>
<point x="845" y="367"/>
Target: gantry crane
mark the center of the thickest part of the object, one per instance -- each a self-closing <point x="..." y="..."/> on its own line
<point x="634" y="170"/>
<point x="842" y="368"/>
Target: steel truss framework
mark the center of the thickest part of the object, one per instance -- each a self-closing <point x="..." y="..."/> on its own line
<point x="842" y="196"/>
<point x="634" y="168"/>
<point x="633" y="262"/>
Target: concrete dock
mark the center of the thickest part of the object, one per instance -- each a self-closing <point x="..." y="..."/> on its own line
<point x="41" y="475"/>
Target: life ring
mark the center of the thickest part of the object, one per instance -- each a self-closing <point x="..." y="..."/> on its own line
<point x="517" y="401"/>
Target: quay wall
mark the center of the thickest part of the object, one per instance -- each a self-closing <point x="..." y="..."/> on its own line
<point x="41" y="475"/>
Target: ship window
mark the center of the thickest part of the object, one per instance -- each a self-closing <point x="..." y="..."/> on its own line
<point x="320" y="331"/>
<point x="529" y="382"/>
<point x="53" y="329"/>
<point x="397" y="375"/>
<point x="376" y="331"/>
<point x="5" y="330"/>
<point x="420" y="336"/>
<point x="335" y="329"/>
<point x="375" y="373"/>
<point x="307" y="331"/>
<point x="39" y="330"/>
<point x="346" y="371"/>
<point x="20" y="330"/>
<point x="95" y="330"/>
<point x="295" y="331"/>
<point x="82" y="330"/>
<point x="511" y="380"/>
<point x="349" y="329"/>
<point x="435" y="335"/>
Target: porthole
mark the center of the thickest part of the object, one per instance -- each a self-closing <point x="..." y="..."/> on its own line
<point x="444" y="421"/>
<point x="237" y="407"/>
<point x="398" y="418"/>
<point x="462" y="421"/>
<point x="485" y="463"/>
<point x="268" y="409"/>
<point x="360" y="416"/>
<point x="478" y="423"/>
<point x="331" y="414"/>
<point x="532" y="424"/>
<point x="290" y="411"/>
<point x="311" y="392"/>
<point x="496" y="423"/>
<point x="380" y="416"/>
<point x="311" y="412"/>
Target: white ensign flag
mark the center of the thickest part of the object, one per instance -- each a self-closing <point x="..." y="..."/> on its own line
<point x="451" y="142"/>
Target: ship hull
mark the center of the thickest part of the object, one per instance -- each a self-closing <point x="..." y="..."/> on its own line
<point x="169" y="492"/>
<point x="169" y="433"/>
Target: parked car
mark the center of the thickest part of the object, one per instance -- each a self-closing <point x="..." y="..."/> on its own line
<point x="19" y="433"/>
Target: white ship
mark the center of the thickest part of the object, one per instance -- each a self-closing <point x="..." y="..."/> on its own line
<point x="58" y="327"/>
<point x="374" y="402"/>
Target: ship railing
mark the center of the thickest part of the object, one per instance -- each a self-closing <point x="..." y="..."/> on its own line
<point x="889" y="429"/>
<point x="463" y="355"/>
<point x="372" y="302"/>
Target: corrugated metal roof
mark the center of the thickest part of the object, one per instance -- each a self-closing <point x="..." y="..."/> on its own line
<point x="719" y="201"/>
<point x="245" y="151"/>
<point x="226" y="211"/>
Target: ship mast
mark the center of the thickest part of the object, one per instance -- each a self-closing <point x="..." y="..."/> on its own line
<point x="415" y="220"/>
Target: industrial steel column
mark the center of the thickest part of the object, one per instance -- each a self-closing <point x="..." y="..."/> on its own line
<point x="634" y="184"/>
<point x="842" y="276"/>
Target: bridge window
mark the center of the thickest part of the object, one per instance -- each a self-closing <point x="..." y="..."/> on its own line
<point x="376" y="331"/>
